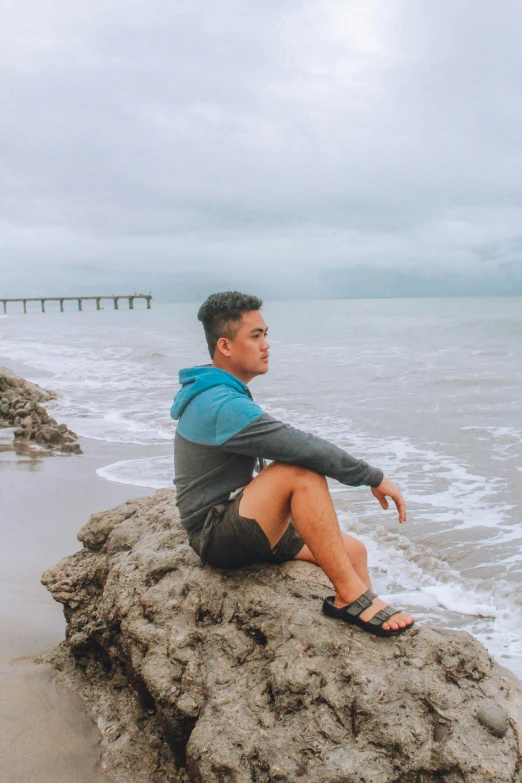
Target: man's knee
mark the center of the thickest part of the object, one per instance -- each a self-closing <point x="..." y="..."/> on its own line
<point x="356" y="550"/>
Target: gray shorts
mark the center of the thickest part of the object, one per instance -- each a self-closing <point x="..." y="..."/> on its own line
<point x="228" y="540"/>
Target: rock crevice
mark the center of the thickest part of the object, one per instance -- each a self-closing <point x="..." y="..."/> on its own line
<point x="207" y="676"/>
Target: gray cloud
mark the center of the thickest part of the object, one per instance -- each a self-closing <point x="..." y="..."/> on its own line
<point x="284" y="146"/>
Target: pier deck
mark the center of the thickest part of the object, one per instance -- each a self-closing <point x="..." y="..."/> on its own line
<point x="79" y="299"/>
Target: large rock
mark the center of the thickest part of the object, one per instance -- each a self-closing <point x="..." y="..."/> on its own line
<point x="240" y="675"/>
<point x="21" y="408"/>
<point x="15" y="388"/>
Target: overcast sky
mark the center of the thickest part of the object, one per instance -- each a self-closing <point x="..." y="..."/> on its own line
<point x="334" y="147"/>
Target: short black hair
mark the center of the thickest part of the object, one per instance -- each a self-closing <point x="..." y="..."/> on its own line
<point x="221" y="315"/>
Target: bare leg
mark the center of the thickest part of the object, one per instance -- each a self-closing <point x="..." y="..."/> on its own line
<point x="357" y="556"/>
<point x="283" y="492"/>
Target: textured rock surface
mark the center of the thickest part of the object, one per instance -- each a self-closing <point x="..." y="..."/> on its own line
<point x="21" y="407"/>
<point x="237" y="676"/>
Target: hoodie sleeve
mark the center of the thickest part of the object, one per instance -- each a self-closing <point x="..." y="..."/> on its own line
<point x="265" y="437"/>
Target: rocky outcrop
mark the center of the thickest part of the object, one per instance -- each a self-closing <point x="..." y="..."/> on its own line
<point x="21" y="407"/>
<point x="211" y="676"/>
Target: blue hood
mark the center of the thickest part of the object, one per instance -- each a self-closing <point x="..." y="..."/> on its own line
<point x="195" y="380"/>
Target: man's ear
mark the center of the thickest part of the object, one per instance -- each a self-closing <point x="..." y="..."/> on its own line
<point x="222" y="346"/>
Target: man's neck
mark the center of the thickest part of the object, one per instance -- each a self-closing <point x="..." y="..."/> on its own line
<point x="244" y="377"/>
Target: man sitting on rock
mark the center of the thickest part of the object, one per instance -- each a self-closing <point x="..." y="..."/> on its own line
<point x="285" y="512"/>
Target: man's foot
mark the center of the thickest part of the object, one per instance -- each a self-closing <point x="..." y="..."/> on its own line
<point x="396" y="621"/>
<point x="381" y="620"/>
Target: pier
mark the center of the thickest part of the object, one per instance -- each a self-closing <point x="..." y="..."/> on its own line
<point x="80" y="300"/>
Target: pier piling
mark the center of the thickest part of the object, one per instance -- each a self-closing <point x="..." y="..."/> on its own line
<point x="80" y="300"/>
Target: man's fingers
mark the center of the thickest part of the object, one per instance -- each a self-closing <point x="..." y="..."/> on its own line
<point x="380" y="497"/>
<point x="401" y="508"/>
<point x="386" y="488"/>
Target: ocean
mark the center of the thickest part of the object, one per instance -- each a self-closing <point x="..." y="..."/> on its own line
<point x="430" y="390"/>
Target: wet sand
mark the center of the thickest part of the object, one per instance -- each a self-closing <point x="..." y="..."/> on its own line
<point x="45" y="736"/>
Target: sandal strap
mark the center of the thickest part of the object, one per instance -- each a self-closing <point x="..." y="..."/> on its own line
<point x="380" y="617"/>
<point x="363" y="602"/>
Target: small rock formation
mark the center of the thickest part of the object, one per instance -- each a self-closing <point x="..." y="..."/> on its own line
<point x="21" y="407"/>
<point x="210" y="676"/>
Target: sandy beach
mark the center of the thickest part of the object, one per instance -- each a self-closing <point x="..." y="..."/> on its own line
<point x="46" y="736"/>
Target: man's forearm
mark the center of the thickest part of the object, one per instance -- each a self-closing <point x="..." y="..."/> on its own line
<point x="266" y="437"/>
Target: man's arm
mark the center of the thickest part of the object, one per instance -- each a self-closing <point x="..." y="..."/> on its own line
<point x="266" y="437"/>
<point x="243" y="428"/>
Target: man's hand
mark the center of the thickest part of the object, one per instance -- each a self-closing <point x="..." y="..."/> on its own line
<point x="388" y="489"/>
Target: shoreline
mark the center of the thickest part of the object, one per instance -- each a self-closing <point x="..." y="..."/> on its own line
<point x="46" y="734"/>
<point x="42" y="517"/>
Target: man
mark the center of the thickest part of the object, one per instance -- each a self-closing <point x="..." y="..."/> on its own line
<point x="285" y="512"/>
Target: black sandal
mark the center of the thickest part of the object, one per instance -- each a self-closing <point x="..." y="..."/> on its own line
<point x="350" y="614"/>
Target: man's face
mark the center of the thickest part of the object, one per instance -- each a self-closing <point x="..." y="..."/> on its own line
<point x="247" y="353"/>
